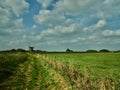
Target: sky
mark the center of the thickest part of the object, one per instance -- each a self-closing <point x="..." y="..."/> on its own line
<point x="55" y="25"/>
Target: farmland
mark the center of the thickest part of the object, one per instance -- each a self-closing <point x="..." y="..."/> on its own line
<point x="60" y="71"/>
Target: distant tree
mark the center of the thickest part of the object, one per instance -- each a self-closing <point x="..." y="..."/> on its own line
<point x="38" y="51"/>
<point x="104" y="50"/>
<point x="68" y="50"/>
<point x="118" y="51"/>
<point x="91" y="51"/>
<point x="20" y="50"/>
<point x="13" y="50"/>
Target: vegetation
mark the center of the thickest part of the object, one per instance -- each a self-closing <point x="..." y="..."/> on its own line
<point x="9" y="63"/>
<point x="68" y="50"/>
<point x="104" y="50"/>
<point x="91" y="51"/>
<point x="98" y="68"/>
<point x="61" y="71"/>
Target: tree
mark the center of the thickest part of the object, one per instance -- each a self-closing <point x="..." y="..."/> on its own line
<point x="13" y="50"/>
<point x="68" y="50"/>
<point x="104" y="50"/>
<point x="91" y="51"/>
<point x="20" y="50"/>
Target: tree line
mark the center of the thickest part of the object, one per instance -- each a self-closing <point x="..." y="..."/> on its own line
<point x="67" y="51"/>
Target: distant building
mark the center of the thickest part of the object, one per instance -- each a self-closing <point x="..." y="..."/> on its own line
<point x="31" y="49"/>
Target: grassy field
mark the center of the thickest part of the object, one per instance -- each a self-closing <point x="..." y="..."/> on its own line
<point x="65" y="71"/>
<point x="99" y="64"/>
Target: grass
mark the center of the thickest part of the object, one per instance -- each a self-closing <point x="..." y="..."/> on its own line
<point x="99" y="64"/>
<point x="9" y="63"/>
<point x="96" y="66"/>
<point x="65" y="71"/>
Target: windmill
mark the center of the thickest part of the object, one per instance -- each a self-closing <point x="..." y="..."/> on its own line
<point x="30" y="48"/>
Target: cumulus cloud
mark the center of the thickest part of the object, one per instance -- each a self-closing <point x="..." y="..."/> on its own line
<point x="76" y="7"/>
<point x="45" y="3"/>
<point x="111" y="33"/>
<point x="50" y="18"/>
<point x="61" y="30"/>
<point x="102" y="8"/>
<point x="17" y="7"/>
<point x="108" y="9"/>
<point x="8" y="23"/>
<point x="78" y="40"/>
<point x="11" y="24"/>
<point x="100" y="24"/>
<point x="19" y="22"/>
<point x="75" y="21"/>
<point x="69" y="22"/>
<point x="34" y="26"/>
<point x="4" y="17"/>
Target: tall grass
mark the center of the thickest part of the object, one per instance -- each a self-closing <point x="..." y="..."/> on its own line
<point x="9" y="63"/>
<point x="89" y="71"/>
<point x="22" y="71"/>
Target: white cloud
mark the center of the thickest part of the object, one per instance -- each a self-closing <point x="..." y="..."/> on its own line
<point x="70" y="22"/>
<point x="34" y="26"/>
<point x="17" y="7"/>
<point x="100" y="24"/>
<point x="108" y="1"/>
<point x="78" y="40"/>
<point x="61" y="30"/>
<point x="92" y="37"/>
<point x="9" y="24"/>
<point x="49" y="18"/>
<point x="4" y="17"/>
<point x="77" y="7"/>
<point x="19" y="22"/>
<point x="109" y="8"/>
<point x="45" y="3"/>
<point x="111" y="33"/>
<point x="111" y="2"/>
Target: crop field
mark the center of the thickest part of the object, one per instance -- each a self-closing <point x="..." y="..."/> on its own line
<point x="60" y="71"/>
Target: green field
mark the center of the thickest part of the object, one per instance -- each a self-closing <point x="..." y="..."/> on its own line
<point x="60" y="71"/>
<point x="99" y="64"/>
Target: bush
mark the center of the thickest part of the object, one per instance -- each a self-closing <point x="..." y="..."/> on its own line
<point x="104" y="50"/>
<point x="91" y="51"/>
<point x="68" y="50"/>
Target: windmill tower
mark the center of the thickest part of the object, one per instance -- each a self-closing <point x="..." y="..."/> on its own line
<point x="31" y="49"/>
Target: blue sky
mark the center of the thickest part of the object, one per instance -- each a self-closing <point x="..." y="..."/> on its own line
<point x="56" y="25"/>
